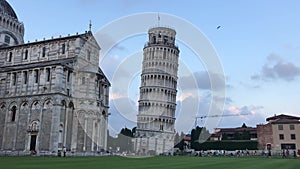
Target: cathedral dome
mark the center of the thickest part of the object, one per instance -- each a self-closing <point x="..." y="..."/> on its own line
<point x="11" y="29"/>
<point x="7" y="9"/>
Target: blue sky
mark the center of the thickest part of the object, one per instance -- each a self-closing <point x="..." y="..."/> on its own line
<point x="258" y="44"/>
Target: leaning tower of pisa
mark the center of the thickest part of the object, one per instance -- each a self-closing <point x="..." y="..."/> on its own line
<point x="157" y="102"/>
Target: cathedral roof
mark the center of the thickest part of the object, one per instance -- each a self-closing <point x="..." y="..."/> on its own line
<point x="7" y="9"/>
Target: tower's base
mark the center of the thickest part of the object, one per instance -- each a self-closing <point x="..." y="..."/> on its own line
<point x="153" y="146"/>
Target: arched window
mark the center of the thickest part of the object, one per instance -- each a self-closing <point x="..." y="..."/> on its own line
<point x="47" y="104"/>
<point x="7" y="39"/>
<point x="13" y="113"/>
<point x="35" y="105"/>
<point x="34" y="126"/>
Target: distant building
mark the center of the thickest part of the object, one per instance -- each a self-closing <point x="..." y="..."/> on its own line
<point x="52" y="92"/>
<point x="239" y="133"/>
<point x="156" y="117"/>
<point x="281" y="132"/>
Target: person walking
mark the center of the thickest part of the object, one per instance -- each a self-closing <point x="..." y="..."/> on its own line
<point x="65" y="151"/>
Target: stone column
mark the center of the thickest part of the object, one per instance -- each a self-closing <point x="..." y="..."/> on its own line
<point x="74" y="133"/>
<point x="65" y="126"/>
<point x="85" y="134"/>
<point x="59" y="73"/>
<point x="55" y="127"/>
<point x="105" y="132"/>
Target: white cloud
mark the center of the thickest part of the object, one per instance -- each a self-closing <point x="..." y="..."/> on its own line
<point x="277" y="68"/>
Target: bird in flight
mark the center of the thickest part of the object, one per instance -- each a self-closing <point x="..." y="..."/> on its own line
<point x="218" y="27"/>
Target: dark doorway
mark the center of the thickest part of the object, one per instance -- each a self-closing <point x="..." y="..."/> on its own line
<point x="32" y="142"/>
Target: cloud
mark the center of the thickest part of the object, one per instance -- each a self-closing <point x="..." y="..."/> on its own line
<point x="277" y="68"/>
<point x="235" y="116"/>
<point x="183" y="96"/>
<point x="201" y="80"/>
<point x="114" y="96"/>
<point x="245" y="110"/>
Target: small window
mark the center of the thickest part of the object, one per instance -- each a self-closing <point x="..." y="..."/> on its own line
<point x="154" y="39"/>
<point x="44" y="52"/>
<point x="48" y="74"/>
<point x="280" y="127"/>
<point x="7" y="39"/>
<point x="88" y="55"/>
<point x="165" y="39"/>
<point x="293" y="136"/>
<point x="36" y="76"/>
<point x="14" y="79"/>
<point x="10" y="57"/>
<point x="26" y="55"/>
<point x="161" y="127"/>
<point x="68" y="76"/>
<point x="13" y="113"/>
<point x="63" y="49"/>
<point x="281" y="137"/>
<point x="25" y="77"/>
<point x="83" y="80"/>
<point x="292" y="127"/>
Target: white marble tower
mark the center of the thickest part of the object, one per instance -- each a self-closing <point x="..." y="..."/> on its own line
<point x="157" y="103"/>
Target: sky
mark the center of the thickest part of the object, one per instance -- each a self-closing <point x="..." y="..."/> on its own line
<point x="257" y="44"/>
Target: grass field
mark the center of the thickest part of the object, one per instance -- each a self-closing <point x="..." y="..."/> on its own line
<point x="147" y="163"/>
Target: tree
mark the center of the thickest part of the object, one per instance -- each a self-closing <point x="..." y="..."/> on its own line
<point x="126" y="132"/>
<point x="224" y="136"/>
<point x="133" y="131"/>
<point x="236" y="136"/>
<point x="244" y="125"/>
<point x="199" y="134"/>
<point x="180" y="145"/>
<point x="245" y="135"/>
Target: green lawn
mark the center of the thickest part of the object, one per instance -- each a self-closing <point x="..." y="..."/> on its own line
<point x="144" y="163"/>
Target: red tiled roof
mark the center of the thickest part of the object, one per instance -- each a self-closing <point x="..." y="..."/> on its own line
<point x="282" y="116"/>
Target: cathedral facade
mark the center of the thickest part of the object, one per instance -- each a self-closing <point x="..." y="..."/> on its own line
<point x="52" y="92"/>
<point x="157" y="103"/>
